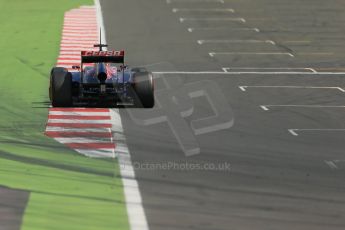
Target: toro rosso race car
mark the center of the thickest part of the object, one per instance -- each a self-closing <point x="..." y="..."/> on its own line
<point x="101" y="79"/>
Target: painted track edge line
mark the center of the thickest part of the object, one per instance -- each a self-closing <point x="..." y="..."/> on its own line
<point x="135" y="210"/>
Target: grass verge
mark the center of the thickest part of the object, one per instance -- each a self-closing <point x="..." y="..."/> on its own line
<point x="68" y="191"/>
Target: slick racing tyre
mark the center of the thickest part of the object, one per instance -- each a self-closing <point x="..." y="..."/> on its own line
<point x="139" y="70"/>
<point x="60" y="90"/>
<point x="143" y="90"/>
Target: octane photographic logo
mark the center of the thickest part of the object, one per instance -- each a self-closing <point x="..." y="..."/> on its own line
<point x="174" y="103"/>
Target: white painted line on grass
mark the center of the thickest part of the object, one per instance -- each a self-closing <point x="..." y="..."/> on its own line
<point x="135" y="210"/>
<point x="244" y="87"/>
<point x="213" y="19"/>
<point x="192" y="29"/>
<point x="212" y="54"/>
<point x="200" y="42"/>
<point x="266" y="107"/>
<point x="219" y="10"/>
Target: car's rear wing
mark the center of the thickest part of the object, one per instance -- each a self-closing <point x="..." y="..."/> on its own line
<point x="103" y="56"/>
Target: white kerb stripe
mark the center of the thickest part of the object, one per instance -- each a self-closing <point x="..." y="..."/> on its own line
<point x="74" y="121"/>
<point x="97" y="153"/>
<point x="82" y="140"/>
<point x="79" y="113"/>
<point x="67" y="129"/>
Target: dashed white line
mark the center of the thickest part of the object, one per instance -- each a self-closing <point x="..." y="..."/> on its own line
<point x="295" y="132"/>
<point x="200" y="42"/>
<point x="227" y="10"/>
<point x="244" y="87"/>
<point x="212" y="54"/>
<point x="266" y="107"/>
<point x="227" y="69"/>
<point x="213" y="19"/>
<point x="192" y="29"/>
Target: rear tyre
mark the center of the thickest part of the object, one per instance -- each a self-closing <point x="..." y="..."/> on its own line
<point x="139" y="70"/>
<point x="143" y="90"/>
<point x="60" y="90"/>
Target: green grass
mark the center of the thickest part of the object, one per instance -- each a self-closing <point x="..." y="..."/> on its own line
<point x="67" y="191"/>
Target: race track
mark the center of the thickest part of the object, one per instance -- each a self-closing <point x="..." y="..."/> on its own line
<point x="278" y="65"/>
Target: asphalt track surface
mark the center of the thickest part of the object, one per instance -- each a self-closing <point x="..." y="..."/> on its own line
<point x="279" y="179"/>
<point x="12" y="206"/>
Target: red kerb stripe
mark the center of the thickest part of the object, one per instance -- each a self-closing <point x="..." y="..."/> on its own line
<point x="91" y="145"/>
<point x="78" y="134"/>
<point x="79" y="125"/>
<point x="96" y="110"/>
<point x="78" y="117"/>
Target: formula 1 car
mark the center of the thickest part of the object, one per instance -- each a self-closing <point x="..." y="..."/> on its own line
<point x="101" y="79"/>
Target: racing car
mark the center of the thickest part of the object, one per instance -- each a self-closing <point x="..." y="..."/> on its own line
<point x="102" y="79"/>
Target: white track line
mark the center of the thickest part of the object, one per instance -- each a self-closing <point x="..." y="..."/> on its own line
<point x="201" y="42"/>
<point x="135" y="210"/>
<point x="194" y="1"/>
<point x="192" y="29"/>
<point x="212" y="54"/>
<point x="227" y="69"/>
<point x="331" y="164"/>
<point x="295" y="132"/>
<point x="246" y="73"/>
<point x="245" y="87"/>
<point x="217" y="10"/>
<point x="267" y="107"/>
<point x="213" y="19"/>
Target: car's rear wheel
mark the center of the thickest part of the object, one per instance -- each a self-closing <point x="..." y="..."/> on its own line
<point x="143" y="90"/>
<point x="139" y="70"/>
<point x="60" y="90"/>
